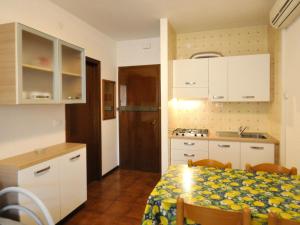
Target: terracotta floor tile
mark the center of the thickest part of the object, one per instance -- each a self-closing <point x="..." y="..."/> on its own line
<point x="118" y="199"/>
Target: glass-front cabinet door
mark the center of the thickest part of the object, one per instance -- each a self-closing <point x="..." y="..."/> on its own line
<point x="38" y="67"/>
<point x="72" y="69"/>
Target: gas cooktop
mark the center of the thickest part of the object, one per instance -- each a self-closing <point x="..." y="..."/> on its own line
<point x="191" y="132"/>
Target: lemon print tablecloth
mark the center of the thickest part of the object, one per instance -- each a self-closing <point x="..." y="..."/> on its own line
<point x="224" y="189"/>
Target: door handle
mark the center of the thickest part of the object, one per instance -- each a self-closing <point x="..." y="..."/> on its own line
<point x="189" y="155"/>
<point x="248" y="96"/>
<point x="39" y="172"/>
<point x="218" y="97"/>
<point x="190" y="83"/>
<point x="257" y="148"/>
<point x="189" y="143"/>
<point x="223" y="146"/>
<point x="75" y="157"/>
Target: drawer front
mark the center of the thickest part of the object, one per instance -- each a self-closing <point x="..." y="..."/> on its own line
<point x="185" y="155"/>
<point x="225" y="152"/>
<point x="256" y="153"/>
<point x="189" y="144"/>
<point x="43" y="180"/>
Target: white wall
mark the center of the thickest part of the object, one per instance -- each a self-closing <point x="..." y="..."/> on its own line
<point x="23" y="128"/>
<point x="138" y="52"/>
<point x="291" y="102"/>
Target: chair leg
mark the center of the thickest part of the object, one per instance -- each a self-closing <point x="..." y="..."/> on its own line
<point x="179" y="211"/>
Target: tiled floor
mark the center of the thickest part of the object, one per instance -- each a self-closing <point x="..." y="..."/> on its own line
<point x="118" y="199"/>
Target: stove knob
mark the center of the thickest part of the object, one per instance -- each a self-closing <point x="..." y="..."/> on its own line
<point x="176" y="134"/>
<point x="202" y="135"/>
<point x="182" y="134"/>
<point x="195" y="135"/>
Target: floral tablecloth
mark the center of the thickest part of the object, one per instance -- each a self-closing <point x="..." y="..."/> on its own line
<point x="224" y="189"/>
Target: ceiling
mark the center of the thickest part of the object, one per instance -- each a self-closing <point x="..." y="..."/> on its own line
<point x="132" y="19"/>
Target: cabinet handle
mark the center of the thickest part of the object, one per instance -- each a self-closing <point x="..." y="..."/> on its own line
<point x="257" y="148"/>
<point x="42" y="171"/>
<point x="248" y="96"/>
<point x="189" y="143"/>
<point x="218" y="97"/>
<point x="223" y="146"/>
<point x="75" y="157"/>
<point x="189" y="155"/>
<point x="190" y="83"/>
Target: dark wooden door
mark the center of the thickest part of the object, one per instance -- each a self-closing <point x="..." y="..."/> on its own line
<point x="139" y="118"/>
<point x="83" y="121"/>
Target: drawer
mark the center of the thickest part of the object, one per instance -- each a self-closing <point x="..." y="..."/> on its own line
<point x="189" y="144"/>
<point x="188" y="154"/>
<point x="225" y="152"/>
<point x="256" y="153"/>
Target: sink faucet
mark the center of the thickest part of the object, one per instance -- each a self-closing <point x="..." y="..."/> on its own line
<point x="242" y="129"/>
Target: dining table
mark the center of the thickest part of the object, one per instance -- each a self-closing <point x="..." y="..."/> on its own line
<point x="226" y="189"/>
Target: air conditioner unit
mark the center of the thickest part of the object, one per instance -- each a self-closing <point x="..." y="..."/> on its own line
<point x="284" y="12"/>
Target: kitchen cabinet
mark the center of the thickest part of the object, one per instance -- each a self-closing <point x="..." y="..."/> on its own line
<point x="256" y="153"/>
<point x="56" y="175"/>
<point x="225" y="152"/>
<point x="37" y="68"/>
<point x="249" y="78"/>
<point x="73" y="186"/>
<point x="43" y="181"/>
<point x="218" y="79"/>
<point x="184" y="149"/>
<point x="190" y="78"/>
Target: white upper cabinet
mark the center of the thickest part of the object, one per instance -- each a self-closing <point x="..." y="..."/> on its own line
<point x="249" y="78"/>
<point x="218" y="79"/>
<point x="190" y="73"/>
<point x="37" y="68"/>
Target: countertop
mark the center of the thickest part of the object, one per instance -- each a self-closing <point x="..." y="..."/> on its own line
<point x="38" y="156"/>
<point x="216" y="137"/>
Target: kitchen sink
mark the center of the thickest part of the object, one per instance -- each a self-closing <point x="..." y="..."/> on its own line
<point x="243" y="135"/>
<point x="254" y="135"/>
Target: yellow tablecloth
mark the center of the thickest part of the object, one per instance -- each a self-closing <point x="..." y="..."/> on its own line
<point x="225" y="189"/>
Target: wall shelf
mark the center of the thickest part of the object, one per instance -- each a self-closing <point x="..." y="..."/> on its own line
<point x="71" y="74"/>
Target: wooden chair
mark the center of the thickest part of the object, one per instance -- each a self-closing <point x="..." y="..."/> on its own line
<point x="273" y="219"/>
<point x="209" y="216"/>
<point x="209" y="163"/>
<point x="271" y="168"/>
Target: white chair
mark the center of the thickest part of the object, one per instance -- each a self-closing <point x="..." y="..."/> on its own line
<point x="29" y="212"/>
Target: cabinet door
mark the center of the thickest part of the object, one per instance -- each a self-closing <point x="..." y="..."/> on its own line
<point x="38" y="67"/>
<point x="218" y="79"/>
<point x="73" y="189"/>
<point x="72" y="69"/>
<point x="43" y="181"/>
<point x="190" y="73"/>
<point x="249" y="78"/>
<point x="225" y="152"/>
<point x="256" y="153"/>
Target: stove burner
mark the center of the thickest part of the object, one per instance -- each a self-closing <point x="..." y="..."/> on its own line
<point x="191" y="132"/>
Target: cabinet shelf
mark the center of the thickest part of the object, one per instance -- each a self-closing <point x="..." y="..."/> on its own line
<point x="39" y="68"/>
<point x="71" y="74"/>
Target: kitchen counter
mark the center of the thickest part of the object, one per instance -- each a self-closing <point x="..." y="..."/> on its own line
<point x="38" y="156"/>
<point x="216" y="137"/>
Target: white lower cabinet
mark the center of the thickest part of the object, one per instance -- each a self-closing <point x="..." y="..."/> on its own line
<point x="73" y="188"/>
<point x="184" y="149"/>
<point x="225" y="152"/>
<point x="256" y="153"/>
<point x="60" y="183"/>
<point x="43" y="181"/>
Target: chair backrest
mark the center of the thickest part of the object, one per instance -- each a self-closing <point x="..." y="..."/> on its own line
<point x="271" y="168"/>
<point x="273" y="219"/>
<point x="209" y="163"/>
<point x="209" y="216"/>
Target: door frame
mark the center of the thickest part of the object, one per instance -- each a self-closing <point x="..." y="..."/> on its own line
<point x="97" y="121"/>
